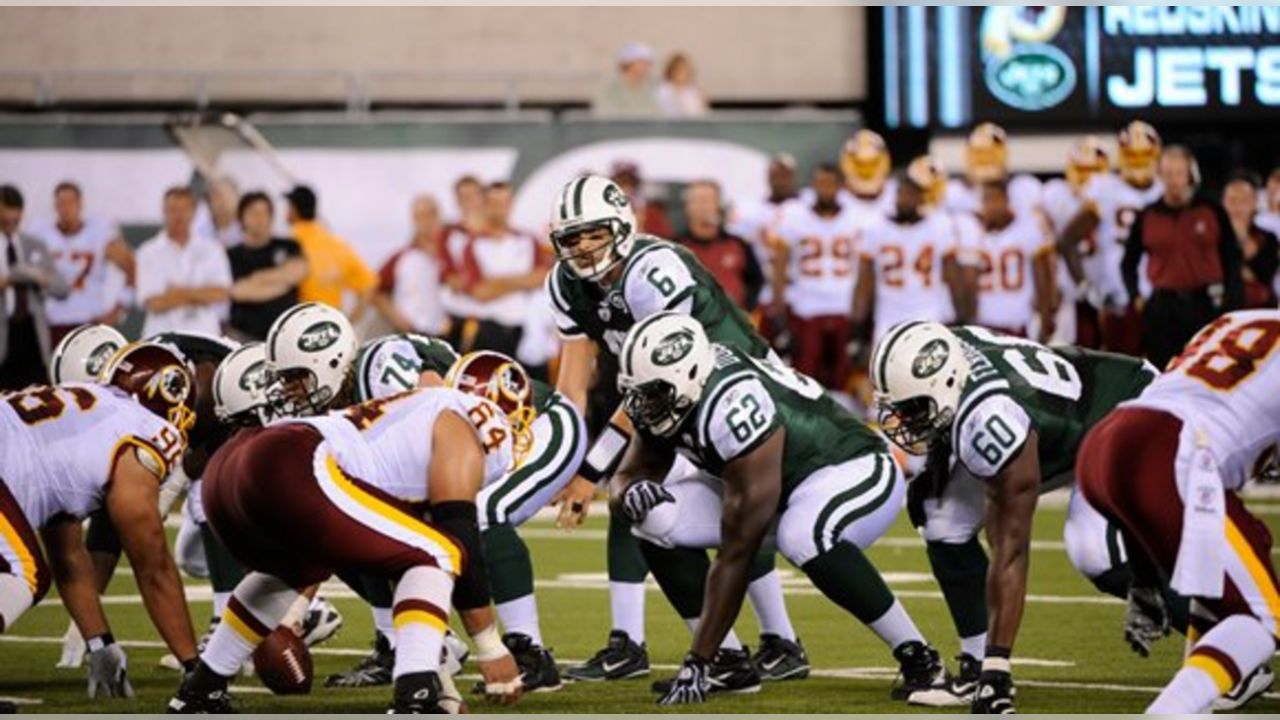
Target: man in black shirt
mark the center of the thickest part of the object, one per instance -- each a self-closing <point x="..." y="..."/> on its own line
<point x="266" y="269"/>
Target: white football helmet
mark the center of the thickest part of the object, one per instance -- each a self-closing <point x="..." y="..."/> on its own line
<point x="918" y="371"/>
<point x="311" y="349"/>
<point x="83" y="352"/>
<point x="590" y="202"/>
<point x="665" y="362"/>
<point x="240" y="386"/>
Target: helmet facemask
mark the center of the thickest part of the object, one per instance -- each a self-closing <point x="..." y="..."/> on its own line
<point x="913" y="424"/>
<point x="656" y="406"/>
<point x="295" y="392"/>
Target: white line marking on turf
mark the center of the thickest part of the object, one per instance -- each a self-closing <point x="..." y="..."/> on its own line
<point x="21" y="700"/>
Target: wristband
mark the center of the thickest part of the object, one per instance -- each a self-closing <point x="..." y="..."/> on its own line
<point x="94" y="644"/>
<point x="997" y="660"/>
<point x="489" y="644"/>
<point x="605" y="453"/>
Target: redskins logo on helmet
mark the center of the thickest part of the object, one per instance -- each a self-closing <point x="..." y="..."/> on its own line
<point x="1139" y="152"/>
<point x="986" y="153"/>
<point x="1085" y="159"/>
<point x="925" y="173"/>
<point x="865" y="163"/>
<point x="158" y="377"/>
<point x="503" y="382"/>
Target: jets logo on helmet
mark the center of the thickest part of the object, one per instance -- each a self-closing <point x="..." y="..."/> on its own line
<point x="240" y="386"/>
<point x="592" y="225"/>
<point x="918" y="371"/>
<point x="666" y="360"/>
<point x="81" y="355"/>
<point x="311" y="350"/>
<point x="930" y="359"/>
<point x="319" y="336"/>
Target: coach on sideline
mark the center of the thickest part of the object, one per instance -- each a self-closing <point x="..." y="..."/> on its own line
<point x="1194" y="260"/>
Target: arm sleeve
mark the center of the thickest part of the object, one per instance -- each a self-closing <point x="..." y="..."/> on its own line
<point x="658" y="281"/>
<point x="990" y="434"/>
<point x="1133" y="250"/>
<point x="560" y="310"/>
<point x="752" y="275"/>
<point x="1232" y="261"/>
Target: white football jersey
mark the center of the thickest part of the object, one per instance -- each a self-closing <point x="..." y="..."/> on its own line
<point x="388" y="442"/>
<point x="60" y="444"/>
<point x="1225" y="388"/>
<point x="81" y="258"/>
<point x="754" y="222"/>
<point x="882" y="204"/>
<point x="1024" y="195"/>
<point x="908" y="260"/>
<point x="823" y="258"/>
<point x="1117" y="204"/>
<point x="1006" y="284"/>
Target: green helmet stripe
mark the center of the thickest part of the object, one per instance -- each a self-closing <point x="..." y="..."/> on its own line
<point x="279" y="323"/>
<point x="888" y="342"/>
<point x="577" y="197"/>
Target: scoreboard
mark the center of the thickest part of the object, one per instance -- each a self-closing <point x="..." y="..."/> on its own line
<point x="952" y="66"/>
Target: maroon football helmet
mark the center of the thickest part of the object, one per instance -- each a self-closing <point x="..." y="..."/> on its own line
<point x="158" y="377"/>
<point x="502" y="381"/>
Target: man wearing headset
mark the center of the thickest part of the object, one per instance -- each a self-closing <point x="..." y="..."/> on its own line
<point x="1193" y="260"/>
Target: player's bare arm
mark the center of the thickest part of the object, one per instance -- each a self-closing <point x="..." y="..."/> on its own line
<point x="864" y="296"/>
<point x="962" y="280"/>
<point x="132" y="502"/>
<point x="577" y="375"/>
<point x="1068" y="243"/>
<point x="270" y="283"/>
<point x="75" y="575"/>
<point x="119" y="254"/>
<point x="752" y="487"/>
<point x="454" y="478"/>
<point x="1011" y="503"/>
<point x="1043" y="270"/>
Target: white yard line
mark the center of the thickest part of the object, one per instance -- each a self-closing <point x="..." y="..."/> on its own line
<point x="21" y="700"/>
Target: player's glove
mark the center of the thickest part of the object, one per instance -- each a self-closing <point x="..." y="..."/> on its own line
<point x="1146" y="620"/>
<point x="994" y="695"/>
<point x="108" y="665"/>
<point x="642" y="496"/>
<point x="691" y="684"/>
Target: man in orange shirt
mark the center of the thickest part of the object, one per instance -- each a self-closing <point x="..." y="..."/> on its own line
<point x="334" y="267"/>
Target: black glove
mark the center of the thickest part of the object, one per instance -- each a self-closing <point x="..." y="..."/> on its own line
<point x="642" y="496"/>
<point x="994" y="695"/>
<point x="1146" y="620"/>
<point x="690" y="684"/>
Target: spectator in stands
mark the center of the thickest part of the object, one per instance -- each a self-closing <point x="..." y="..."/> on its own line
<point x="1258" y="246"/>
<point x="266" y="269"/>
<point x="1269" y="203"/>
<point x="651" y="214"/>
<point x="27" y="277"/>
<point x="468" y="195"/>
<point x="729" y="258"/>
<point x="90" y="252"/>
<point x="408" y="294"/>
<point x="1194" y="260"/>
<point x="184" y="280"/>
<point x="630" y="93"/>
<point x="678" y="95"/>
<point x="218" y="217"/>
<point x="503" y="270"/>
<point x="333" y="267"/>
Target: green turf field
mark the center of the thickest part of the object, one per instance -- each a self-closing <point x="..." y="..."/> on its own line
<point x="1073" y="656"/>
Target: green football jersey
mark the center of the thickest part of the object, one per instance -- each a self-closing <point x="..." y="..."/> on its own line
<point x="391" y="364"/>
<point x="1016" y="385"/>
<point x="657" y="276"/>
<point x="746" y="399"/>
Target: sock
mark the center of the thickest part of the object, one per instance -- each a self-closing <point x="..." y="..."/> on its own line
<point x="626" y="604"/>
<point x="730" y="641"/>
<point x="421" y="617"/>
<point x="975" y="646"/>
<point x="961" y="572"/>
<point x="384" y="623"/>
<point x="521" y="616"/>
<point x="297" y="611"/>
<point x="15" y="598"/>
<point x="510" y="567"/>
<point x="220" y="603"/>
<point x="1234" y="648"/>
<point x="1114" y="582"/>
<point x="770" y="608"/>
<point x="256" y="607"/>
<point x="895" y="626"/>
<point x="849" y="580"/>
<point x="225" y="572"/>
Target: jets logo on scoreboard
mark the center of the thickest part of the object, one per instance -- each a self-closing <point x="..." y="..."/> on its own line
<point x="1021" y="68"/>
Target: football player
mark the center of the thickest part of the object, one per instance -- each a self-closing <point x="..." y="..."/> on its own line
<point x="1111" y="203"/>
<point x="1017" y="266"/>
<point x="918" y="264"/>
<point x="814" y="270"/>
<point x="67" y="451"/>
<point x="1001" y="419"/>
<point x="773" y="451"/>
<point x="1168" y="466"/>
<point x="1077" y="318"/>
<point x="986" y="158"/>
<point x="303" y="498"/>
<point x="866" y="164"/>
<point x="606" y="279"/>
<point x="394" y="364"/>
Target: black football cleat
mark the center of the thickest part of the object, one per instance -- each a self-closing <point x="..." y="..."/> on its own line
<point x="780" y="659"/>
<point x="417" y="694"/>
<point x="731" y="672"/>
<point x="538" y="671"/>
<point x="374" y="670"/>
<point x="920" y="667"/>
<point x="619" y="660"/>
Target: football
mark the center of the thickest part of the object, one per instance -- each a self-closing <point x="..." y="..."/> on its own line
<point x="283" y="663"/>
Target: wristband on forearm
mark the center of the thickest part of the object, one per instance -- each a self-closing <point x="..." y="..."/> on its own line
<point x="997" y="660"/>
<point x="98" y="642"/>
<point x="605" y="454"/>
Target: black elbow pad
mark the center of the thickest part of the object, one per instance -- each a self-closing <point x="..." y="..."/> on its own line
<point x="458" y="519"/>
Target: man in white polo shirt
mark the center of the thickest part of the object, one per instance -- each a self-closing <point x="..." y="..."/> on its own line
<point x="183" y="282"/>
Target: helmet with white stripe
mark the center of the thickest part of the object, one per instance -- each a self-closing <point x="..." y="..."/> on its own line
<point x="918" y="371"/>
<point x="664" y="365"/>
<point x="311" y="349"/>
<point x="586" y="204"/>
<point x="83" y="352"/>
<point x="240" y="386"/>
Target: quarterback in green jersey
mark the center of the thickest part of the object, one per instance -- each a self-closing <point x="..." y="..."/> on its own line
<point x="780" y="463"/>
<point x="1001" y="419"/>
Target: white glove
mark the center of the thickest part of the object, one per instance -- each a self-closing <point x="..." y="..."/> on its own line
<point x="108" y="672"/>
<point x="642" y="496"/>
<point x="73" y="648"/>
